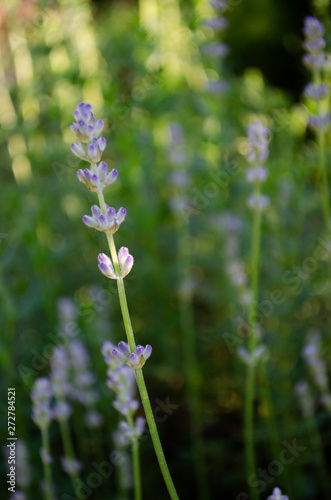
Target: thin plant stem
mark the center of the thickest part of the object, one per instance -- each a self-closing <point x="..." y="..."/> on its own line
<point x="190" y="363"/>
<point x="325" y="187"/>
<point x="316" y="442"/>
<point x="250" y="379"/>
<point x="69" y="452"/>
<point x="46" y="464"/>
<point x="135" y="463"/>
<point x="138" y="373"/>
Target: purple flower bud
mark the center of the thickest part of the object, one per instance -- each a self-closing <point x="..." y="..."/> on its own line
<point x="41" y="394"/>
<point x="119" y="355"/>
<point x="277" y="495"/>
<point x="258" y="202"/>
<point x="124" y="348"/>
<point x="93" y="419"/>
<point x="316" y="92"/>
<point x="140" y="426"/>
<point x="218" y="49"/>
<point x="217" y="24"/>
<point x="147" y="352"/>
<point x="62" y="411"/>
<point x="257" y="143"/>
<point x="256" y="175"/>
<point x="126" y="429"/>
<point x="106" y="266"/>
<point x="134" y="360"/>
<point x="125" y="261"/>
<point x="45" y="457"/>
<point x="79" y="151"/>
<point x="71" y="466"/>
<point x="320" y="122"/>
<point x="108" y="222"/>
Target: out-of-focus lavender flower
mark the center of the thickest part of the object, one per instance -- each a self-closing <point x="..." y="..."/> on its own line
<point x="18" y="495"/>
<point x="277" y="495"/>
<point x="61" y="411"/>
<point x="133" y="433"/>
<point x="179" y="178"/>
<point x="108" y="222"/>
<point x="83" y="379"/>
<point x="125" y="261"/>
<point x="259" y="353"/>
<point x="229" y="222"/>
<point x="217" y="49"/>
<point x="45" y="457"/>
<point x="305" y="398"/>
<point x="258" y="202"/>
<point x="258" y="142"/>
<point x="67" y="310"/>
<point x="256" y="175"/>
<point x="97" y="178"/>
<point x="23" y="471"/>
<point x="316" y="92"/>
<point x="71" y="466"/>
<point x="41" y="395"/>
<point x="218" y="86"/>
<point x="135" y="359"/>
<point x="219" y="5"/>
<point x="93" y="419"/>
<point x="60" y="373"/>
<point x="217" y="23"/>
<point x="237" y="273"/>
<point x="314" y="44"/>
<point x="313" y="356"/>
<point x="320" y="122"/>
<point x="177" y="154"/>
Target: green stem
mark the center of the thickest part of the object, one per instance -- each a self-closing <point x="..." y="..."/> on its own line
<point x="135" y="462"/>
<point x="69" y="452"/>
<point x="46" y="464"/>
<point x="319" y="460"/>
<point x="325" y="187"/>
<point x="249" y="389"/>
<point x="190" y="363"/>
<point x="139" y="374"/>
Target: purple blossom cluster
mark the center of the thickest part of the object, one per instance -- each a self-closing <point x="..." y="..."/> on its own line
<point x="60" y="383"/>
<point x="121" y="379"/>
<point x="125" y="263"/>
<point x="83" y="383"/>
<point x="218" y="23"/>
<point x="179" y="177"/>
<point x="41" y="395"/>
<point x="257" y="154"/>
<point x="316" y="60"/>
<point x="277" y="495"/>
<point x="89" y="147"/>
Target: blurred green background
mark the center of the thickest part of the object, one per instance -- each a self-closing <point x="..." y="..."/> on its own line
<point x="142" y="67"/>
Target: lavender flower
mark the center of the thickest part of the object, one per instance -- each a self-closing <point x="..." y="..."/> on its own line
<point x="45" y="457"/>
<point x="133" y="433"/>
<point x="62" y="410"/>
<point x="93" y="419"/>
<point x="217" y="24"/>
<point x="217" y="49"/>
<point x="125" y="262"/>
<point x="67" y="310"/>
<point x="258" y="141"/>
<point x="23" y="472"/>
<point x="219" y="5"/>
<point x="258" y="202"/>
<point x="98" y="177"/>
<point x="277" y="495"/>
<point x="83" y="379"/>
<point x="316" y="92"/>
<point x="312" y="354"/>
<point x="136" y="359"/>
<point x="108" y="222"/>
<point x="320" y="122"/>
<point x="256" y="175"/>
<point x="60" y="373"/>
<point x="305" y="398"/>
<point x="41" y="395"/>
<point x="218" y="86"/>
<point x="252" y="359"/>
<point x="71" y="466"/>
<point x="18" y="495"/>
<point x="86" y="127"/>
<point x="314" y="44"/>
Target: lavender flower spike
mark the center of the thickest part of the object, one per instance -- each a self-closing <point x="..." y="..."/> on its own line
<point x="277" y="495"/>
<point x="86" y="127"/>
<point x="41" y="399"/>
<point x="108" y="222"/>
<point x="98" y="179"/>
<point x="258" y="140"/>
<point x="106" y="266"/>
<point x="136" y="359"/>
